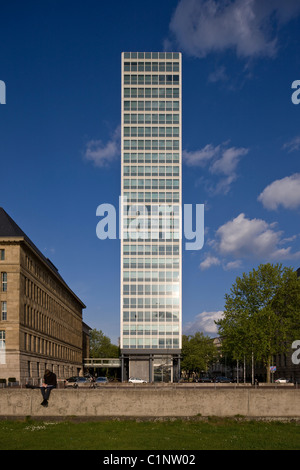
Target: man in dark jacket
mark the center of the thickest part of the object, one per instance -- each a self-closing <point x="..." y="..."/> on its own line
<point x="49" y="383"/>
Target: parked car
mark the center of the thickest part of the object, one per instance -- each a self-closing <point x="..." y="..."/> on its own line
<point x="84" y="382"/>
<point x="76" y="382"/>
<point x="136" y="380"/>
<point x="223" y="380"/>
<point x="204" y="380"/>
<point x="71" y="382"/>
<point x="101" y="381"/>
<point x="282" y="381"/>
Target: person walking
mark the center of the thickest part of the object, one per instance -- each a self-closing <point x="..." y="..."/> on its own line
<point x="49" y="383"/>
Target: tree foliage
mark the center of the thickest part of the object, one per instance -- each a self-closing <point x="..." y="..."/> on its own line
<point x="101" y="346"/>
<point x="262" y="313"/>
<point x="198" y="351"/>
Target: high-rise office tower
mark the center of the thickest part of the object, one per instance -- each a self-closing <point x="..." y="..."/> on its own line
<point x="151" y="316"/>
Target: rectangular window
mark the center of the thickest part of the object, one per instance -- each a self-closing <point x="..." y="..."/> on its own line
<point x="2" y="254"/>
<point x="4" y="282"/>
<point x="2" y="347"/>
<point x="4" y="311"/>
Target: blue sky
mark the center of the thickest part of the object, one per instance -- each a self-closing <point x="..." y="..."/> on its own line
<point x="59" y="140"/>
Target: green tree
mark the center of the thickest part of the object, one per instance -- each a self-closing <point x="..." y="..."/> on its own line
<point x="198" y="351"/>
<point x="261" y="315"/>
<point x="101" y="346"/>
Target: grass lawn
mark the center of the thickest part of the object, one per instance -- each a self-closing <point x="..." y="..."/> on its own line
<point x="197" y="434"/>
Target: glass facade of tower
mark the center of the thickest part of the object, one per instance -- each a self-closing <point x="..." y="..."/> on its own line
<point x="151" y="210"/>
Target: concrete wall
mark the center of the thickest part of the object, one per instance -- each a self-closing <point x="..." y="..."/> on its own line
<point x="139" y="401"/>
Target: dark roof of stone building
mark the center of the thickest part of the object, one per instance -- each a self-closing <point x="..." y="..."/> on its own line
<point x="9" y="229"/>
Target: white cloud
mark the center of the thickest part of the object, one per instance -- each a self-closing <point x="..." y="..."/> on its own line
<point x="201" y="157"/>
<point x="209" y="261"/>
<point x="203" y="322"/>
<point x="102" y="154"/>
<point x="293" y="145"/>
<point x="229" y="160"/>
<point x="284" y="192"/>
<point x="224" y="185"/>
<point x="242" y="238"/>
<point x="250" y="27"/>
<point x="254" y="238"/>
<point x="289" y="239"/>
<point x="220" y="160"/>
<point x="233" y="265"/>
<point x="219" y="75"/>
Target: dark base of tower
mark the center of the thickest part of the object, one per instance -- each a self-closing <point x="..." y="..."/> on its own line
<point x="151" y="365"/>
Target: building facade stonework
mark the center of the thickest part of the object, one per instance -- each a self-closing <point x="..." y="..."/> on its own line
<point x="40" y="317"/>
